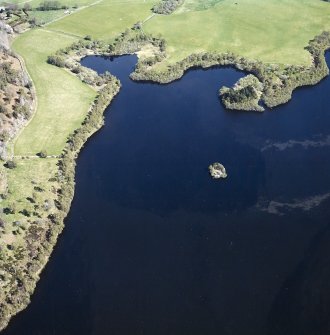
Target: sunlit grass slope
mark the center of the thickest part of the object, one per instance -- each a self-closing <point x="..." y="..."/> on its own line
<point x="272" y="31"/>
<point x="63" y="100"/>
<point x="106" y="19"/>
<point x="35" y="3"/>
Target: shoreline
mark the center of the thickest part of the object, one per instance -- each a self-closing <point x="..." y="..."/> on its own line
<point x="67" y="162"/>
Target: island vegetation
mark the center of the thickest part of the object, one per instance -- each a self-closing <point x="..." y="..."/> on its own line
<point x="245" y="95"/>
<point x="217" y="171"/>
<point x="38" y="161"/>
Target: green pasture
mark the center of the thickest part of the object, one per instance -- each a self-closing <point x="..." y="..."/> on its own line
<point x="273" y="31"/>
<point x="35" y="3"/>
<point x="24" y="179"/>
<point x="43" y="17"/>
<point x="106" y="19"/>
<point x="62" y="99"/>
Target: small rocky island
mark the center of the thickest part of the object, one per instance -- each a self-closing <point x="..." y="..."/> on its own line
<point x="217" y="171"/>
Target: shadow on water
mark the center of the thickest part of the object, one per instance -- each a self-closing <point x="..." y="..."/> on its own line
<point x="153" y="245"/>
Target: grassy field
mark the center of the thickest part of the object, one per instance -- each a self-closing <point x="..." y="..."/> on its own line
<point x="195" y="5"/>
<point x="272" y="31"/>
<point x="35" y="3"/>
<point x="43" y="17"/>
<point x="106" y="19"/>
<point x="23" y="179"/>
<point x="63" y="100"/>
<point x="29" y="186"/>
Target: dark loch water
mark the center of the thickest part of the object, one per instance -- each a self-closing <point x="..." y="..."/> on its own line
<point x="154" y="246"/>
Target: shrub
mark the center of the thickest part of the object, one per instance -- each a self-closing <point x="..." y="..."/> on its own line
<point x="11" y="164"/>
<point x="3" y="109"/>
<point x="56" y="60"/>
<point x="167" y="6"/>
<point x="49" y="5"/>
<point x="42" y="154"/>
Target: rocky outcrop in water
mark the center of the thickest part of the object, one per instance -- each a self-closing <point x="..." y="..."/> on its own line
<point x="217" y="171"/>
